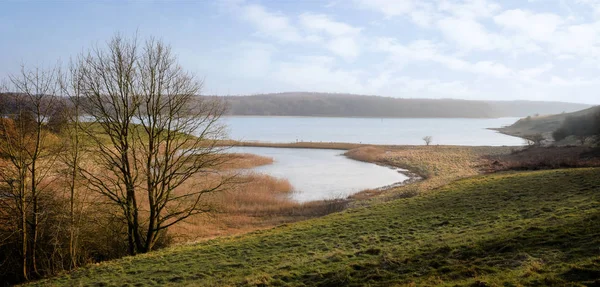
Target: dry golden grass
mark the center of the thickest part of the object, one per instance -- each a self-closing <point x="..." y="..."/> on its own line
<point x="436" y="165"/>
<point x="251" y="201"/>
<point x="244" y="161"/>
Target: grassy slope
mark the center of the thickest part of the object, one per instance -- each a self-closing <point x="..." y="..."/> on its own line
<point x="534" y="228"/>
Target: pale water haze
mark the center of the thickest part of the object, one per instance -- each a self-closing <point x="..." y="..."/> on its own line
<point x="470" y="132"/>
<point x="317" y="174"/>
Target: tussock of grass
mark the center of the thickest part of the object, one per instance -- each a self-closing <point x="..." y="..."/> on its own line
<point x="535" y="228"/>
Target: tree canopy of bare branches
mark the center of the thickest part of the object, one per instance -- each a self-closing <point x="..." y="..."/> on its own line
<point x="29" y="152"/>
<point x="152" y="132"/>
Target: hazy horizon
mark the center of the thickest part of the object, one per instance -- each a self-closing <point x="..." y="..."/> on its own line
<point x="470" y="49"/>
<point x="294" y="93"/>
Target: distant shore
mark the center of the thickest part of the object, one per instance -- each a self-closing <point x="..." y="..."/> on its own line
<point x="360" y="117"/>
<point x="331" y="145"/>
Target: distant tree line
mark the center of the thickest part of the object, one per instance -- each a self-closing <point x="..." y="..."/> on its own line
<point x="348" y="105"/>
<point x="583" y="128"/>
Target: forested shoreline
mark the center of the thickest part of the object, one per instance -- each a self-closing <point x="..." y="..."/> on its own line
<point x="349" y="105"/>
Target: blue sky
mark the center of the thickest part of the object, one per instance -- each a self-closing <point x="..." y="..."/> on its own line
<point x="468" y="49"/>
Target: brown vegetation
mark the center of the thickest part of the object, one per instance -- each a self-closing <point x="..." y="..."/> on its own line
<point x="436" y="165"/>
<point x="243" y="161"/>
<point x="537" y="158"/>
<point x="253" y="201"/>
<point x="73" y="193"/>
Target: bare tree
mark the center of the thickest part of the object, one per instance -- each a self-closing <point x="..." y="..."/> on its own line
<point x="427" y="140"/>
<point x="71" y="82"/>
<point x="153" y="133"/>
<point x="24" y="144"/>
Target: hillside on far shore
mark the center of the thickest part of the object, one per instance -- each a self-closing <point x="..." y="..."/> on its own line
<point x="543" y="124"/>
<point x="348" y="105"/>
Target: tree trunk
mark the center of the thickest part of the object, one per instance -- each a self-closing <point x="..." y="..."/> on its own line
<point x="72" y="251"/>
<point x="24" y="230"/>
<point x="34" y="221"/>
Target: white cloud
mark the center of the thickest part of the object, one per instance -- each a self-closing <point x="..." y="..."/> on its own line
<point x="314" y="29"/>
<point x="535" y="72"/>
<point x="318" y="73"/>
<point x="535" y="26"/>
<point x="419" y="12"/>
<point x="271" y="24"/>
<point x="469" y="9"/>
<point x="582" y="39"/>
<point x="322" y="23"/>
<point x="346" y="47"/>
<point x="439" y="48"/>
<point x="389" y="7"/>
<point x="343" y="38"/>
<point x="470" y="35"/>
<point x="425" y="51"/>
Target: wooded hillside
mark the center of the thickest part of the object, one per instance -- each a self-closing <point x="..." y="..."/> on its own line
<point x="347" y="105"/>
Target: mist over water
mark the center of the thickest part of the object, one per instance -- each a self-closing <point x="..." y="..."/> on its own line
<point x="318" y="174"/>
<point x="409" y="131"/>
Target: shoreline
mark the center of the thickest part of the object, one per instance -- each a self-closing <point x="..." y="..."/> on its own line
<point x="361" y="117"/>
<point x="504" y="131"/>
<point x="341" y="145"/>
<point x="411" y="177"/>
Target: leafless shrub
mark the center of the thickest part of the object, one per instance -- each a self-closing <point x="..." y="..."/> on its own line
<point x="428" y="140"/>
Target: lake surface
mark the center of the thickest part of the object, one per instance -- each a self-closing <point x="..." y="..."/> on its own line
<point x="318" y="174"/>
<point x="471" y="132"/>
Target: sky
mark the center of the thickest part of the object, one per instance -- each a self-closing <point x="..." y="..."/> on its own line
<point x="465" y="49"/>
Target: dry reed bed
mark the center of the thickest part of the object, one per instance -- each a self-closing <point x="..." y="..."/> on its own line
<point x="250" y="201"/>
<point x="436" y="165"/>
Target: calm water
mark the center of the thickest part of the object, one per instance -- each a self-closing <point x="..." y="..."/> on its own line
<point x="470" y="132"/>
<point x="319" y="174"/>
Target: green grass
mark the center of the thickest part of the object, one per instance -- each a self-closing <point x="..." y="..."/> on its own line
<point x="536" y="228"/>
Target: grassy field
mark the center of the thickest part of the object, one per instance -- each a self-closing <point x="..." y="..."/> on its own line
<point x="535" y="228"/>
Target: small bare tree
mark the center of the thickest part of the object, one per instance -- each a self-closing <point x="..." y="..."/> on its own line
<point x="71" y="82"/>
<point x="427" y="140"/>
<point x="153" y="133"/>
<point x="25" y="144"/>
